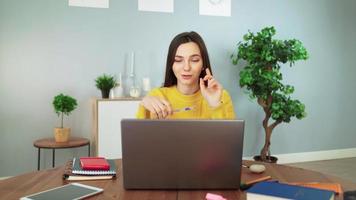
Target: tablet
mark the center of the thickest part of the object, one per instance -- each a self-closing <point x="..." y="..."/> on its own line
<point x="70" y="191"/>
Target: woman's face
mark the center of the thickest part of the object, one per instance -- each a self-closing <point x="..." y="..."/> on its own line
<point x="188" y="64"/>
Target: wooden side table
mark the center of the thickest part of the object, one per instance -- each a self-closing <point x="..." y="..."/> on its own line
<point x="50" y="143"/>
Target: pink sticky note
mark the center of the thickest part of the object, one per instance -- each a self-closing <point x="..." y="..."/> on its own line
<point x="211" y="196"/>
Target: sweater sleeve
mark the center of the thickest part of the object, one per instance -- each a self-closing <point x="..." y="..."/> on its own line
<point x="226" y="108"/>
<point x="142" y="112"/>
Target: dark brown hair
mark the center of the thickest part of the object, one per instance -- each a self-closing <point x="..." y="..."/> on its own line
<point x="170" y="79"/>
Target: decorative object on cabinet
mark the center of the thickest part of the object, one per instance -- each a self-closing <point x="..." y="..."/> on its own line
<point x="146" y="85"/>
<point x="105" y="83"/>
<point x="118" y="90"/>
<point x="135" y="90"/>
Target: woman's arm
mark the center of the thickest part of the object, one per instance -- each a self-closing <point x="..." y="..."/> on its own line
<point x="225" y="110"/>
<point x="154" y="105"/>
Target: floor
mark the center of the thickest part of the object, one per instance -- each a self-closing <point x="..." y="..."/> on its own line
<point x="344" y="168"/>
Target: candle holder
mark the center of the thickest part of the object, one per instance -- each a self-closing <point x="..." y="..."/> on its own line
<point x="135" y="90"/>
<point x="146" y="85"/>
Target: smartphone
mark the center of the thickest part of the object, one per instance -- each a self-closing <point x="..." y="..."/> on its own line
<point x="71" y="191"/>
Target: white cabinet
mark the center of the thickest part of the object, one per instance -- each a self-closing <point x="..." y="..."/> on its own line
<point x="107" y="124"/>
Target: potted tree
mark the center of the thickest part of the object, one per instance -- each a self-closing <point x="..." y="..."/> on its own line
<point x="105" y="83"/>
<point x="63" y="105"/>
<point x="262" y="78"/>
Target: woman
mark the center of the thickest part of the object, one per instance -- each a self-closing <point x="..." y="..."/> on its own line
<point x="190" y="91"/>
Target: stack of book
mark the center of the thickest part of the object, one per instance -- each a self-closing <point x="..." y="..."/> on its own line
<point x="89" y="168"/>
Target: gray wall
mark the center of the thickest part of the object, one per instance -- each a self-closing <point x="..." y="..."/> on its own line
<point x="47" y="47"/>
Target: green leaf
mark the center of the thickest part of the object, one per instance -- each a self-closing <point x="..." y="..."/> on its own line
<point x="64" y="104"/>
<point x="105" y="82"/>
<point x="261" y="75"/>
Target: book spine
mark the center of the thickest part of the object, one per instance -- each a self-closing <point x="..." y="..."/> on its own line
<point x="96" y="167"/>
<point x="93" y="172"/>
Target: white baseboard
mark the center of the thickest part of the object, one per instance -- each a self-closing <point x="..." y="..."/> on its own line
<point x="313" y="156"/>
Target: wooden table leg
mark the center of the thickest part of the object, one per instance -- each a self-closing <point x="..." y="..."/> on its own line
<point x="53" y="157"/>
<point x="38" y="159"/>
<point x="89" y="150"/>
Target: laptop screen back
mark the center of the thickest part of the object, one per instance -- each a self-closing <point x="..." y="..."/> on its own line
<point x="182" y="154"/>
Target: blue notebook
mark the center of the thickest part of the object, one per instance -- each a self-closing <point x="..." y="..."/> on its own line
<point x="283" y="191"/>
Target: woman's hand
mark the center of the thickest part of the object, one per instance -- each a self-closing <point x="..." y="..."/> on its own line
<point x="159" y="108"/>
<point x="212" y="93"/>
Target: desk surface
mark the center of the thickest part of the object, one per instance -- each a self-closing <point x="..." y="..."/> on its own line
<point x="16" y="187"/>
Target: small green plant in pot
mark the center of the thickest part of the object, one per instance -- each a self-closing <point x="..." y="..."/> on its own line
<point x="263" y="80"/>
<point x="105" y="83"/>
<point x="63" y="105"/>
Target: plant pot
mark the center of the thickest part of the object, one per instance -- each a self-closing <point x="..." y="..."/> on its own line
<point x="270" y="159"/>
<point x="61" y="134"/>
<point x="105" y="94"/>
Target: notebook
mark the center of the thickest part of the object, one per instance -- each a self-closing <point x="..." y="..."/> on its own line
<point x="274" y="190"/>
<point x="94" y="163"/>
<point x="181" y="154"/>
<point x="69" y="176"/>
<point x="76" y="169"/>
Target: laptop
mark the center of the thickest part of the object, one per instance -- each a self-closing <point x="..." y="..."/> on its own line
<point x="181" y="154"/>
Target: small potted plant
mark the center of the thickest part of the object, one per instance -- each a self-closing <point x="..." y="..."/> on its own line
<point x="262" y="78"/>
<point x="105" y="83"/>
<point x="63" y="105"/>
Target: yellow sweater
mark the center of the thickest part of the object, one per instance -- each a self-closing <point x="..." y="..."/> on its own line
<point x="190" y="106"/>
